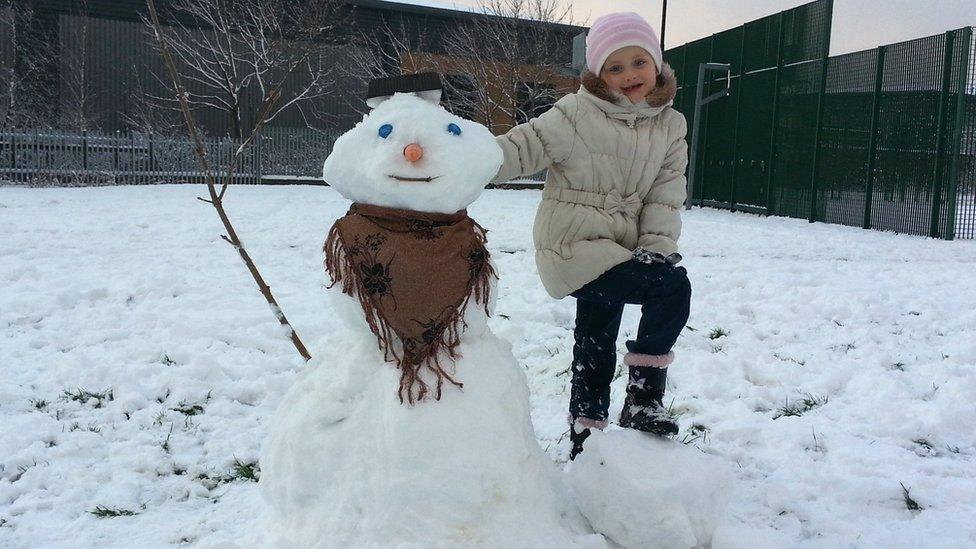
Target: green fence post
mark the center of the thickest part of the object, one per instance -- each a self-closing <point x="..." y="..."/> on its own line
<point x="815" y="172"/>
<point x="873" y="138"/>
<point x="684" y="77"/>
<point x="738" y="119"/>
<point x="703" y="128"/>
<point x="770" y="195"/>
<point x="953" y="188"/>
<point x="938" y="179"/>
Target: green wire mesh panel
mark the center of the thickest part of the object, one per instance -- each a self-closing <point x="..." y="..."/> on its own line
<point x="720" y="121"/>
<point x="956" y="194"/>
<point x="795" y="133"/>
<point x="693" y="54"/>
<point x="676" y="58"/>
<point x="846" y="137"/>
<point x="908" y="136"/>
<point x="756" y="97"/>
<point x="965" y="195"/>
<point x="885" y="138"/>
<point x="805" y="41"/>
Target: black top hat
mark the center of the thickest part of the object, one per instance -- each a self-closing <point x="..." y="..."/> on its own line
<point x="381" y="88"/>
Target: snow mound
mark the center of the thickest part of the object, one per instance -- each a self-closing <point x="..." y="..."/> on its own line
<point x="345" y="464"/>
<point x="645" y="492"/>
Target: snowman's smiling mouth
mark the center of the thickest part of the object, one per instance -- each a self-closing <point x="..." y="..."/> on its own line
<point x="415" y="179"/>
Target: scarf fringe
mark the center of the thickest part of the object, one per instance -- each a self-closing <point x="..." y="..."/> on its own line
<point x="412" y="362"/>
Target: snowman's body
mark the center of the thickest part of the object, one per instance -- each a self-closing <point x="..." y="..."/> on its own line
<point x="346" y="464"/>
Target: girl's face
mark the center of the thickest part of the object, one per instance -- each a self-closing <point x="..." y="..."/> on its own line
<point x="630" y="71"/>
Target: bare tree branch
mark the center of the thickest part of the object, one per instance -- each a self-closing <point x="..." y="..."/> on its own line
<point x="271" y="40"/>
<point x="229" y="51"/>
<point x="24" y="56"/>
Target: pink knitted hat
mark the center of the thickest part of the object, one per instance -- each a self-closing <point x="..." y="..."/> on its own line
<point x="619" y="30"/>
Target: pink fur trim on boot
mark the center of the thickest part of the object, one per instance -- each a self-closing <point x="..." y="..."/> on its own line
<point x="588" y="423"/>
<point x="649" y="361"/>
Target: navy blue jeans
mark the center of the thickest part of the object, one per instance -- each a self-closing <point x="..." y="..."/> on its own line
<point x="664" y="294"/>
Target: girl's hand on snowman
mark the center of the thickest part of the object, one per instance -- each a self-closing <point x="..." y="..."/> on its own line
<point x="650" y="258"/>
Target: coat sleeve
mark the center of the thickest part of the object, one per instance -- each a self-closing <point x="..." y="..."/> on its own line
<point x="539" y="143"/>
<point x="660" y="217"/>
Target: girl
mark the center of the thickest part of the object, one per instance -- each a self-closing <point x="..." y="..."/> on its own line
<point x="606" y="231"/>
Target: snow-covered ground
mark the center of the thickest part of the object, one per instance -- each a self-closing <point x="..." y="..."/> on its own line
<point x="829" y="366"/>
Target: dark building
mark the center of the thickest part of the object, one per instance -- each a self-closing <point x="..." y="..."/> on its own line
<point x="102" y="62"/>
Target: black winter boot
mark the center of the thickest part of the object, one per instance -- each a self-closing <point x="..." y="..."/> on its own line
<point x="643" y="408"/>
<point x="579" y="431"/>
<point x="577" y="438"/>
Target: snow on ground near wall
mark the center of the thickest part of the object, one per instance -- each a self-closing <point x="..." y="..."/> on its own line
<point x="139" y="365"/>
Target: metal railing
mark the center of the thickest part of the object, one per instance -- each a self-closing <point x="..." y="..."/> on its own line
<point x="66" y="159"/>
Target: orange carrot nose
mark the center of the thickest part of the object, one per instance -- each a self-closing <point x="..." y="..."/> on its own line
<point x="413" y="152"/>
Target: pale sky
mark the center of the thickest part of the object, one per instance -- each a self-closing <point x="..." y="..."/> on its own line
<point x="857" y="24"/>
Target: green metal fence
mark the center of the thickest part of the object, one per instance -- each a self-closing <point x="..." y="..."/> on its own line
<point x="883" y="139"/>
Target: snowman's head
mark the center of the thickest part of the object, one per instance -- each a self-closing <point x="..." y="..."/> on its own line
<point x="412" y="154"/>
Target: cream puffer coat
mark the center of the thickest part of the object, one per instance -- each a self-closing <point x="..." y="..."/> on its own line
<point x="616" y="180"/>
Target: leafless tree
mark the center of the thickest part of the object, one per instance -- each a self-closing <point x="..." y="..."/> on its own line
<point x="268" y="41"/>
<point x="24" y="101"/>
<point x="231" y="52"/>
<point x="516" y="50"/>
<point x="77" y="89"/>
<point x="497" y="65"/>
<point x="382" y="52"/>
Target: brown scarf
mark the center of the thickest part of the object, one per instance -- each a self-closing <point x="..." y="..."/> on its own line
<point x="414" y="274"/>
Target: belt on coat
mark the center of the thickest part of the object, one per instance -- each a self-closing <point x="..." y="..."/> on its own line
<point x="611" y="202"/>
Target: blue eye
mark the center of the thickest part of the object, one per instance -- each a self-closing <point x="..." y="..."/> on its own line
<point x="454" y="129"/>
<point x="385" y="130"/>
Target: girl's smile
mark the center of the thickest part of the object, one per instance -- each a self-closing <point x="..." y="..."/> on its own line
<point x="630" y="71"/>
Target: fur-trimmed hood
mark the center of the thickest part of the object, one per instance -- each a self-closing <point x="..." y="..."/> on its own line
<point x="662" y="95"/>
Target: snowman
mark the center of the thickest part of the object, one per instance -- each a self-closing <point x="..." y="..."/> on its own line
<point x="411" y="428"/>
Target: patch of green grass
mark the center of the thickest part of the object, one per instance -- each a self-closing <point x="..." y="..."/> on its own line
<point x="85" y="396"/>
<point x="910" y="503"/>
<point x="696" y="433"/>
<point x="191" y="409"/>
<point x="188" y="409"/>
<point x="23" y="469"/>
<point x="159" y="419"/>
<point x="790" y="359"/>
<point x="92" y="428"/>
<point x="165" y="443"/>
<point x="39" y="404"/>
<point x="102" y="511"/>
<point x="717" y="333"/>
<point x="799" y="407"/>
<point x="246" y="471"/>
<point x="924" y="447"/>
